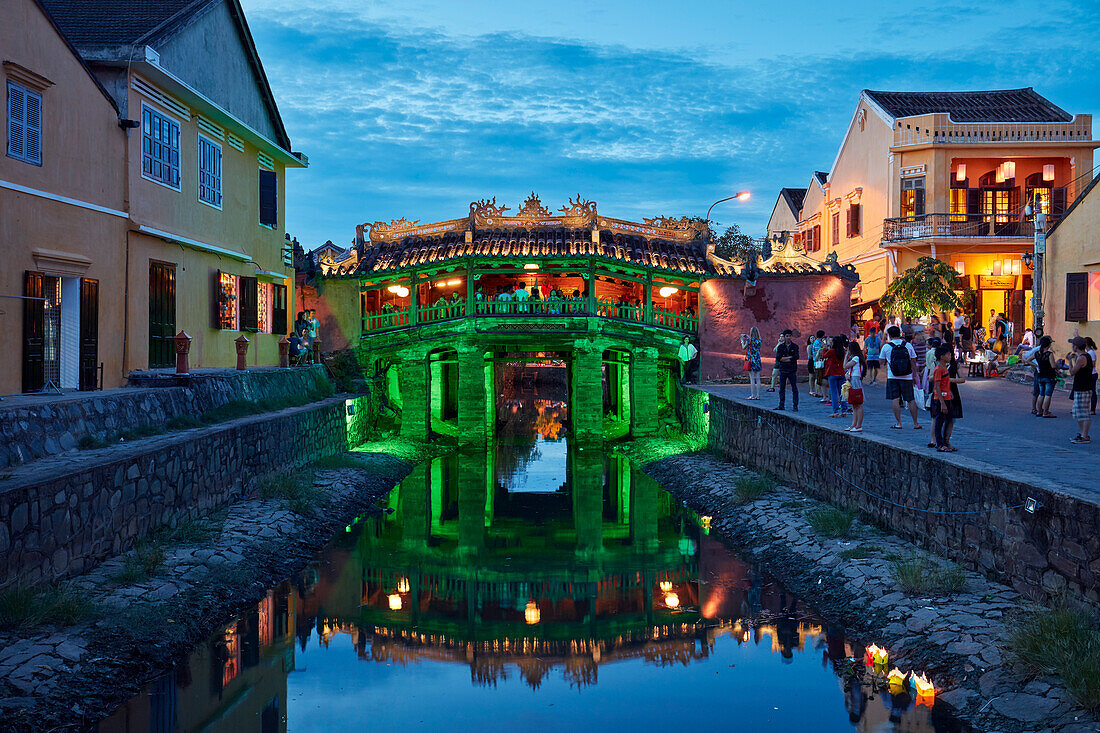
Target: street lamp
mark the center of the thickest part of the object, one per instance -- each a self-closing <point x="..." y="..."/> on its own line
<point x="1036" y="262"/>
<point x="740" y="196"/>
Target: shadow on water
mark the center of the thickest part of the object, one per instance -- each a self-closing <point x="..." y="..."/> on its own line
<point x="535" y="584"/>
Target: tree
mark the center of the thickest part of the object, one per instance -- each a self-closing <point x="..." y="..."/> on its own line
<point x="930" y="287"/>
<point x="734" y="244"/>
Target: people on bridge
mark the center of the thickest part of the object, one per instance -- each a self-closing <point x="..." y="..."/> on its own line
<point x="900" y="359"/>
<point x="752" y="342"/>
<point x="786" y="361"/>
<point x="688" y="356"/>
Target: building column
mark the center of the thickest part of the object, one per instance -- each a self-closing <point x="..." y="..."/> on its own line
<point x="471" y="395"/>
<point x="415" y="398"/>
<point x="586" y="392"/>
<point x="643" y="391"/>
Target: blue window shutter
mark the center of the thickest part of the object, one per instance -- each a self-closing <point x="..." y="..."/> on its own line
<point x="33" y="117"/>
<point x="17" y="106"/>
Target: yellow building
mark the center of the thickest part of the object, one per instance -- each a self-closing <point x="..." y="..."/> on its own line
<point x="198" y="152"/>
<point x="947" y="175"/>
<point x="1071" y="271"/>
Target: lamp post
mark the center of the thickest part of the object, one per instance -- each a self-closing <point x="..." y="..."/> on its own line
<point x="740" y="196"/>
<point x="1036" y="260"/>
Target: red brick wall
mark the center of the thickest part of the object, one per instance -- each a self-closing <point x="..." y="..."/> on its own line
<point x="805" y="303"/>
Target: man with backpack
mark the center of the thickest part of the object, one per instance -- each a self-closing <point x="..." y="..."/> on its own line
<point x="899" y="358"/>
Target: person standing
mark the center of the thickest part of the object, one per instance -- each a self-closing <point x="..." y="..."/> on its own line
<point x="752" y="343"/>
<point x="855" y="365"/>
<point x="314" y="326"/>
<point x="688" y="364"/>
<point x="817" y="364"/>
<point x="786" y="361"/>
<point x="1090" y="349"/>
<point x="873" y="344"/>
<point x="1030" y="357"/>
<point x="1046" y="371"/>
<point x="899" y="359"/>
<point x="1081" y="371"/>
<point x="942" y="396"/>
<point x="775" y="369"/>
<point x="834" y="373"/>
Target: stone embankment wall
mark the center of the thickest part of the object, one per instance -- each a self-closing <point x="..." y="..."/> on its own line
<point x="1056" y="550"/>
<point x="30" y="432"/>
<point x="62" y="515"/>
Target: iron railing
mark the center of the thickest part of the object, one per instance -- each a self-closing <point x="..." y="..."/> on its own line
<point x="927" y="226"/>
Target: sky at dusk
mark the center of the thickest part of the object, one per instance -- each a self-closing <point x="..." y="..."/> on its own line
<point x="415" y="108"/>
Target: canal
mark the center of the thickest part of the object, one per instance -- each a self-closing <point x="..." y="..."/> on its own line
<point x="534" y="584"/>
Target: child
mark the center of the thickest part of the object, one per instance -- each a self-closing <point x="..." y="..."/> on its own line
<point x="941" y="409"/>
<point x="855" y="365"/>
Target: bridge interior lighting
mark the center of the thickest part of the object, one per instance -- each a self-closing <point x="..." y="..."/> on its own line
<point x="403" y="585"/>
<point x="395" y="602"/>
<point x="457" y="281"/>
<point x="666" y="291"/>
<point x="530" y="266"/>
<point x="399" y="290"/>
<point x="531" y="614"/>
<point x="672" y="600"/>
<point x="665" y="586"/>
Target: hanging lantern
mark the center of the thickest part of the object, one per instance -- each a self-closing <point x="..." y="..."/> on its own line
<point x="665" y="586"/>
<point x="666" y="291"/>
<point x="403" y="585"/>
<point x="395" y="602"/>
<point x="672" y="600"/>
<point x="960" y="172"/>
<point x="531" y="614"/>
<point x="1009" y="168"/>
<point x="1048" y="172"/>
<point x="896" y="680"/>
<point x="1001" y="173"/>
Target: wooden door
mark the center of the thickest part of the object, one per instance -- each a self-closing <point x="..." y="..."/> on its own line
<point x="34" y="332"/>
<point x="162" y="314"/>
<point x="89" y="334"/>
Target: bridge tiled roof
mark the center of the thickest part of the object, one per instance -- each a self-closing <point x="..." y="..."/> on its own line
<point x="521" y="244"/>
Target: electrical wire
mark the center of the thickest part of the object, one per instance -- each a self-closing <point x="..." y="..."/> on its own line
<point x="761" y="421"/>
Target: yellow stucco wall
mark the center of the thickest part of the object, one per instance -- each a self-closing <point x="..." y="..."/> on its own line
<point x="81" y="144"/>
<point x="1074" y="246"/>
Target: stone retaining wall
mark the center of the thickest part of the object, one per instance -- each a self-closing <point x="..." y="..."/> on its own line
<point x="59" y="517"/>
<point x="30" y="432"/>
<point x="1053" y="551"/>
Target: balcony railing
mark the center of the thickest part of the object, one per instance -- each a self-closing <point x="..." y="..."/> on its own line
<point x="938" y="128"/>
<point x="927" y="226"/>
<point x="492" y="307"/>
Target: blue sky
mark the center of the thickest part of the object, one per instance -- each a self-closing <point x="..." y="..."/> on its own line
<point x="415" y="108"/>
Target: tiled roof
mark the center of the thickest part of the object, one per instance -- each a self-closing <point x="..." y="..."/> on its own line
<point x="822" y="177"/>
<point x="794" y="198"/>
<point x="683" y="257"/>
<point x="999" y="105"/>
<point x="93" y="23"/>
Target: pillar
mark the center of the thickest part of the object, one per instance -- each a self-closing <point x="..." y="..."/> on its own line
<point x="586" y="392"/>
<point x="471" y="395"/>
<point x="415" y="403"/>
<point x="643" y="391"/>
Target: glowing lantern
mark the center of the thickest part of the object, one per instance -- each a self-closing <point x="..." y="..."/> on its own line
<point x="1009" y="169"/>
<point x="530" y="266"/>
<point x="403" y="585"/>
<point x="1048" y="172"/>
<point x="454" y="282"/>
<point x="399" y="290"/>
<point x="666" y="586"/>
<point x="896" y="680"/>
<point x="395" y="602"/>
<point x="672" y="600"/>
<point x="960" y="172"/>
<point x="877" y="656"/>
<point x="923" y="686"/>
<point x="666" y="291"/>
<point x="531" y="614"/>
<point x="1000" y="173"/>
<point x="743" y="196"/>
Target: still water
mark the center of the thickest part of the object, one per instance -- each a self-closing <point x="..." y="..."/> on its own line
<point x="533" y="585"/>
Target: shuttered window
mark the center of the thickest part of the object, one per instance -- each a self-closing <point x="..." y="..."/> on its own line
<point x="912" y="196"/>
<point x="278" y="310"/>
<point x="836" y="230"/>
<point x="249" y="304"/>
<point x="269" y="204"/>
<point x="160" y="148"/>
<point x="1077" y="302"/>
<point x="210" y="172"/>
<point x="24" y="124"/>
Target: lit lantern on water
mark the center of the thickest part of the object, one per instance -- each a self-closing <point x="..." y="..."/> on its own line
<point x="705" y="521"/>
<point x="924" y="688"/>
<point x="395" y="602"/>
<point x="532" y="615"/>
<point x="896" y="680"/>
<point x="877" y="657"/>
<point x="665" y="586"/>
<point x="672" y="600"/>
<point x="403" y="585"/>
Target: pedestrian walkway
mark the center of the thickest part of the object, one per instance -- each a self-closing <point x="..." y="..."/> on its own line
<point x="997" y="432"/>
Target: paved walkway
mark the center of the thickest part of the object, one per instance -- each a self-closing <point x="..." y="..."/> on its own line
<point x="997" y="432"/>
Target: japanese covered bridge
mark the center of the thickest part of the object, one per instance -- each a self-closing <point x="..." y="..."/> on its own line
<point x="607" y="302"/>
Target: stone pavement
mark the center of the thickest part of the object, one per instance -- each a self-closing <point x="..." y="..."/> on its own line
<point x="997" y="432"/>
<point x="959" y="639"/>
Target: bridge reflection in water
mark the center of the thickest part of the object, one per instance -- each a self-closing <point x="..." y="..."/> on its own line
<point x="530" y="566"/>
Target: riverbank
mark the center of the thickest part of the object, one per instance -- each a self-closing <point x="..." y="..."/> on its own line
<point x="142" y="611"/>
<point x="959" y="639"/>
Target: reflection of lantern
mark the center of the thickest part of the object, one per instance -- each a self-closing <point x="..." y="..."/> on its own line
<point x="403" y="585"/>
<point x="896" y="680"/>
<point x="531" y="614"/>
<point x="672" y="600"/>
<point x="666" y="586"/>
<point x="705" y="520"/>
<point x="395" y="602"/>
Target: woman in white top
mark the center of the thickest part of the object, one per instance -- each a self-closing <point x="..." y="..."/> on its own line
<point x="854" y="366"/>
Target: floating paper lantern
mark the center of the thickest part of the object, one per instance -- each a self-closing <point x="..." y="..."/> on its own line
<point x="922" y="685"/>
<point x="705" y="520"/>
<point x="395" y="602"/>
<point x="877" y="656"/>
<point x="896" y="680"/>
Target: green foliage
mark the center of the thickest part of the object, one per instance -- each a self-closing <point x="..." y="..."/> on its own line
<point x="141" y="431"/>
<point x="294" y="488"/>
<point x="147" y="560"/>
<point x="920" y="576"/>
<point x="754" y="486"/>
<point x="929" y="287"/>
<point x="1062" y="641"/>
<point x="25" y="606"/>
<point x="829" y="521"/>
<point x="862" y="552"/>
<point x="183" y="422"/>
<point x="90" y="442"/>
<point x="733" y="244"/>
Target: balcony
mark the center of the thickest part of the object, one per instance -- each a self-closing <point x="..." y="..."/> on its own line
<point x="941" y="226"/>
<point x="938" y="129"/>
<point x="536" y="310"/>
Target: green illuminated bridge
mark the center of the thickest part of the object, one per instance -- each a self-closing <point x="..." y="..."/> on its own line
<point x="453" y="311"/>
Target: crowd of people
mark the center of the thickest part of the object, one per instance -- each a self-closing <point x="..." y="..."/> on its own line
<point x="304" y="333"/>
<point x="921" y="364"/>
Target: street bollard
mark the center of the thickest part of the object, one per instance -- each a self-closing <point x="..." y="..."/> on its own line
<point x="284" y="352"/>
<point x="242" y="352"/>
<point x="183" y="348"/>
